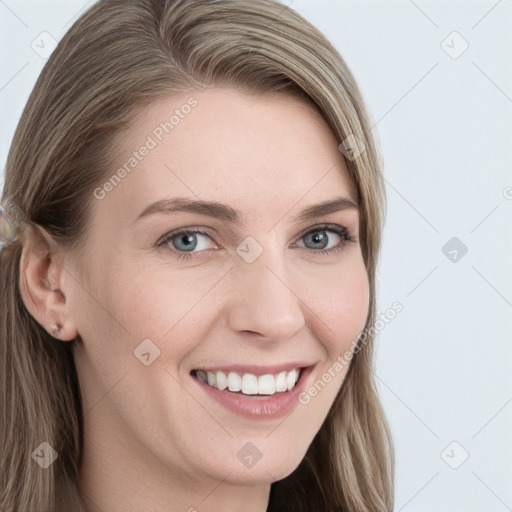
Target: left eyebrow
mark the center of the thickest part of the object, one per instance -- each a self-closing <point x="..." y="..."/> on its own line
<point x="232" y="215"/>
<point x="330" y="206"/>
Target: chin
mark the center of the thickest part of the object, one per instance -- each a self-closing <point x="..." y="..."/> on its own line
<point x="266" y="471"/>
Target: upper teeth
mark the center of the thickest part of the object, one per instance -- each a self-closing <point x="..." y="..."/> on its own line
<point x="250" y="384"/>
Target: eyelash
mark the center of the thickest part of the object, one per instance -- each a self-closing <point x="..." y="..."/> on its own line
<point x="338" y="230"/>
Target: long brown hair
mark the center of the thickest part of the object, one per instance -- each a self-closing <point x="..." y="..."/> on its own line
<point x="119" y="57"/>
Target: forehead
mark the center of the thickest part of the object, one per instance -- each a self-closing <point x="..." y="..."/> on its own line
<point x="258" y="153"/>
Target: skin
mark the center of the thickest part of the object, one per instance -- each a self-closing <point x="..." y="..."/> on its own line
<point x="153" y="440"/>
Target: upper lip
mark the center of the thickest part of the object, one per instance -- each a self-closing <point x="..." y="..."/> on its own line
<point x="254" y="368"/>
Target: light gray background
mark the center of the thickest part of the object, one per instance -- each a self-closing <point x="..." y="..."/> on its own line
<point x="444" y="363"/>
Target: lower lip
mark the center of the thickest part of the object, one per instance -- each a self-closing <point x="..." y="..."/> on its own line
<point x="257" y="406"/>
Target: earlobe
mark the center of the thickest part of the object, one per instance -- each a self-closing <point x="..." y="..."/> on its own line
<point x="40" y="285"/>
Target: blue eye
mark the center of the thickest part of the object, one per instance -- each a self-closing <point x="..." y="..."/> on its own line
<point x="186" y="240"/>
<point x="325" y="239"/>
<point x="322" y="238"/>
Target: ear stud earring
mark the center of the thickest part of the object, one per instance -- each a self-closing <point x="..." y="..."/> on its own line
<point x="55" y="329"/>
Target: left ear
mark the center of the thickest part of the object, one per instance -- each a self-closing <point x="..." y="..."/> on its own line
<point x="42" y="284"/>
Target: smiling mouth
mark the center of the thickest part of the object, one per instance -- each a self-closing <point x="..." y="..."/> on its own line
<point x="248" y="383"/>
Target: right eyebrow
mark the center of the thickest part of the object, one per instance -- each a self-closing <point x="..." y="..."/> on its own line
<point x="183" y="204"/>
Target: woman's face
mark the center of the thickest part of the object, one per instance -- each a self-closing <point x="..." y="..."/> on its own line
<point x="274" y="290"/>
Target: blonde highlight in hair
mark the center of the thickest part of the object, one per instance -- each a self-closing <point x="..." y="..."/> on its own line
<point x="118" y="58"/>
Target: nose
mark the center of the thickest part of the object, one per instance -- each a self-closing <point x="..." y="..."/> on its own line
<point x="263" y="299"/>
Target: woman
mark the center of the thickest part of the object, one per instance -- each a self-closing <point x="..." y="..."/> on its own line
<point x="186" y="309"/>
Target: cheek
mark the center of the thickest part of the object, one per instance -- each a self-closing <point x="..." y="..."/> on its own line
<point x="339" y="298"/>
<point x="157" y="302"/>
